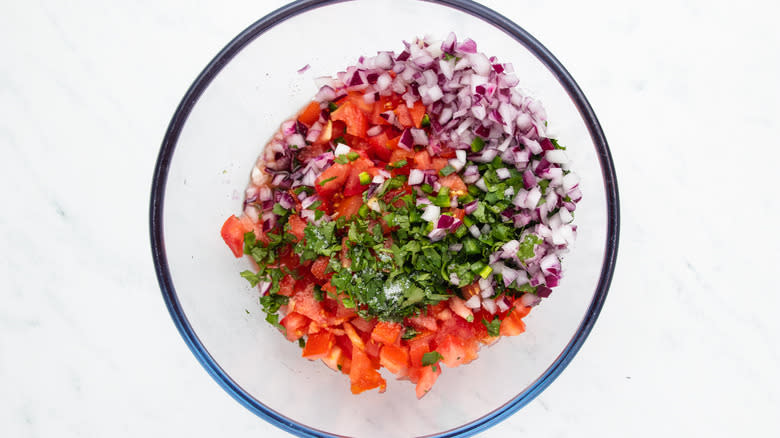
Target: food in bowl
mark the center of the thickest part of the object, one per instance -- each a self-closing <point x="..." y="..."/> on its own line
<point x="415" y="210"/>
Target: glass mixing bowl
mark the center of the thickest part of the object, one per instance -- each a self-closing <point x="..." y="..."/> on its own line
<point x="230" y="112"/>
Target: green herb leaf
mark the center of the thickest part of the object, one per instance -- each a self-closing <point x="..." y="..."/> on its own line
<point x="526" y="250"/>
<point x="446" y="170"/>
<point x="325" y="181"/>
<point x="431" y="359"/>
<point x="493" y="327"/>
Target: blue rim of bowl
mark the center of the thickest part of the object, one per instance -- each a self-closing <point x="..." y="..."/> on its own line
<point x="203" y="81"/>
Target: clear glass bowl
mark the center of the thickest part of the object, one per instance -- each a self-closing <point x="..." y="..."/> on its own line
<point x="217" y="132"/>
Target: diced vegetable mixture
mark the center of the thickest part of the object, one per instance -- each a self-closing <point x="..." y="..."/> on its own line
<point x="415" y="210"/>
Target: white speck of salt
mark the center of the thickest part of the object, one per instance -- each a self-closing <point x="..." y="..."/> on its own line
<point x="393" y="290"/>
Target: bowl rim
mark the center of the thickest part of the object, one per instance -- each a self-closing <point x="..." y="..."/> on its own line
<point x="204" y="80"/>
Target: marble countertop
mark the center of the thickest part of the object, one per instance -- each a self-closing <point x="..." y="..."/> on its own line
<point x="686" y="345"/>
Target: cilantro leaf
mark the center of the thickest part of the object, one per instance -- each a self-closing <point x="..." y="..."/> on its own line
<point x="493" y="327"/>
<point x="526" y="250"/>
<point x="431" y="359"/>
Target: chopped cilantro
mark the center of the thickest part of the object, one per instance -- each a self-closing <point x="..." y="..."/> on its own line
<point x="426" y="121"/>
<point x="396" y="165"/>
<point x="325" y="181"/>
<point x="301" y="342"/>
<point x="409" y="333"/>
<point x="526" y="250"/>
<point x="318" y="293"/>
<point x="341" y="159"/>
<point x="555" y="143"/>
<point x="251" y="277"/>
<point x="431" y="359"/>
<point x="279" y="210"/>
<point x="493" y="327"/>
<point x="365" y="178"/>
<point x="332" y="106"/>
<point x="447" y="170"/>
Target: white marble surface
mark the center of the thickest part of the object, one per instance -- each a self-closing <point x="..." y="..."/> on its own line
<point x="686" y="345"/>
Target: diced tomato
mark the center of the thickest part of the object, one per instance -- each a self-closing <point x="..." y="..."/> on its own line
<point x="289" y="259"/>
<point x="422" y="160"/>
<point x="394" y="358"/>
<point x="386" y="333"/>
<point x="331" y="180"/>
<point x="458" y="213"/>
<point x="427" y="379"/>
<point x="350" y="206"/>
<point x="458" y="327"/>
<point x="378" y="147"/>
<point x="354" y="337"/>
<point x="372" y="350"/>
<point x="314" y="328"/>
<point x="392" y="144"/>
<point x="459" y="307"/>
<point x="345" y="344"/>
<point x="417" y="348"/>
<point x="353" y="116"/>
<point x="318" y="345"/>
<point x="513" y="324"/>
<point x="295" y="325"/>
<point x="521" y="310"/>
<point x="438" y="164"/>
<point x="343" y="312"/>
<point x="297" y="225"/>
<point x="363" y="325"/>
<point x="303" y="302"/>
<point x="353" y="186"/>
<point x="417" y="112"/>
<point x="456" y="185"/>
<point x="362" y="375"/>
<point x="422" y="322"/>
<point x="330" y="289"/>
<point x="326" y="134"/>
<point x="356" y="97"/>
<point x="333" y="358"/>
<point x="380" y="106"/>
<point x="310" y="114"/>
<point x="287" y="286"/>
<point x="404" y="118"/>
<point x="232" y="232"/>
<point x="456" y="350"/>
<point x="319" y="267"/>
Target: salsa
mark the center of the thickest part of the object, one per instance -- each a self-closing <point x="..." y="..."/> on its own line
<point x="416" y="209"/>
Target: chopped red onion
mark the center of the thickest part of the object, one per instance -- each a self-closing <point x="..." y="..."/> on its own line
<point x="530" y="300"/>
<point x="543" y="291"/>
<point x="374" y="130"/>
<point x="415" y="177"/>
<point x="471" y="207"/>
<point x="437" y="234"/>
<point x="489" y="305"/>
<point x="431" y="213"/>
<point x="474" y="302"/>
<point x="445" y="221"/>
